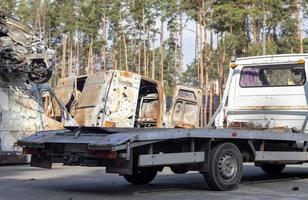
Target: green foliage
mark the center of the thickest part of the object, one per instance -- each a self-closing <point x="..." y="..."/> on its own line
<point x="242" y="22"/>
<point x="7" y="6"/>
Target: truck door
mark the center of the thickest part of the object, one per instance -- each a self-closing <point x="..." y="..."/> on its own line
<point x="186" y="108"/>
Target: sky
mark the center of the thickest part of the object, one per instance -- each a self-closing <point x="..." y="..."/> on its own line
<point x="189" y="40"/>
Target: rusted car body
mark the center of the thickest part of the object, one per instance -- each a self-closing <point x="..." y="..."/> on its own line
<point x="22" y="113"/>
<point x="68" y="90"/>
<point x="22" y="51"/>
<point x="117" y="98"/>
<point x="186" y="109"/>
<point x="25" y="67"/>
<point x="120" y="99"/>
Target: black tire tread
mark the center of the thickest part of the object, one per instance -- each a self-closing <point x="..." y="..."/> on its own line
<point x="141" y="177"/>
<point x="210" y="177"/>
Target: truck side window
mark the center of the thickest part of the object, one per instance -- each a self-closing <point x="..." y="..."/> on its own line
<point x="271" y="76"/>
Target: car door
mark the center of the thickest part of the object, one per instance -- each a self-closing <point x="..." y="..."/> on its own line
<point x="186" y="107"/>
<point x="64" y="91"/>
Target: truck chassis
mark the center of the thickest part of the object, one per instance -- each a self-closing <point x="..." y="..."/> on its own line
<point x="138" y="154"/>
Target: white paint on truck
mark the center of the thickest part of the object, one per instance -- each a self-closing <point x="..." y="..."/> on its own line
<point x="268" y="92"/>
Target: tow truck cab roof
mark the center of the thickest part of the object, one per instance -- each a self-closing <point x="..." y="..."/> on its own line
<point x="271" y="59"/>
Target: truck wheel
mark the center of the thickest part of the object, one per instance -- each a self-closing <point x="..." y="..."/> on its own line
<point x="141" y="176"/>
<point x="225" y="167"/>
<point x="273" y="168"/>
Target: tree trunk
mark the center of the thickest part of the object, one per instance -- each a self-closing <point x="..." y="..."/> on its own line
<point x="44" y="18"/>
<point x="104" y="56"/>
<point x="153" y="58"/>
<point x="176" y="70"/>
<point x="197" y="59"/>
<point x="212" y="89"/>
<point x="201" y="65"/>
<point x="161" y="50"/>
<point x="181" y="49"/>
<point x="38" y="19"/>
<point x="90" y="62"/>
<point x="139" y="61"/>
<point x="125" y="52"/>
<point x="114" y="59"/>
<point x="299" y="28"/>
<point x="201" y="46"/>
<point x="254" y="29"/>
<point x="49" y="32"/>
<point x="125" y="46"/>
<point x="133" y="52"/>
<point x="56" y="71"/>
<point x="77" y="60"/>
<point x="63" y="66"/>
<point x="70" y="61"/>
<point x="221" y="66"/>
<point x="144" y="45"/>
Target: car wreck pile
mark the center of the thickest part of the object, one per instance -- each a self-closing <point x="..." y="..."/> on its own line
<point x="25" y="68"/>
<point x="22" y="51"/>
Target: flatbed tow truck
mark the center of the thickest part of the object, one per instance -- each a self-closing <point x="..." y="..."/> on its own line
<point x="262" y="119"/>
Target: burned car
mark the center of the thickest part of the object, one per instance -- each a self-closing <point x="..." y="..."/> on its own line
<point x="25" y="68"/>
<point x="115" y="98"/>
<point x="22" y="51"/>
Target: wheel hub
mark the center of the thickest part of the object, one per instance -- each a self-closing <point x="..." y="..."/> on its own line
<point x="227" y="167"/>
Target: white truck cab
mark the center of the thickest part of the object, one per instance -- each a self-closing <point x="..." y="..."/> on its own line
<point x="266" y="92"/>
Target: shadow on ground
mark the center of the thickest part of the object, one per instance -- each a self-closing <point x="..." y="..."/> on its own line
<point x="97" y="182"/>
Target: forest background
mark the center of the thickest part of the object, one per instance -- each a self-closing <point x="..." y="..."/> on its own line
<point x="147" y="36"/>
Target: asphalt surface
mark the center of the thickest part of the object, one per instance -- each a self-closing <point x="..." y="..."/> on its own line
<point x="72" y="183"/>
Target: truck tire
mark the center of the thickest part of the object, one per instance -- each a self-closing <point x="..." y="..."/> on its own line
<point x="225" y="167"/>
<point x="141" y="176"/>
<point x="273" y="168"/>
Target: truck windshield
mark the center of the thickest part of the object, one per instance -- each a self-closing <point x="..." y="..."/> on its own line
<point x="273" y="75"/>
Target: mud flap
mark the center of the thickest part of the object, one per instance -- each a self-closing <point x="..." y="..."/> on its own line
<point x="41" y="161"/>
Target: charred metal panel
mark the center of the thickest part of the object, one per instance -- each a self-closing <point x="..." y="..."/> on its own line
<point x="21" y="110"/>
<point x="122" y="99"/>
<point x="109" y="100"/>
<point x="22" y="51"/>
<point x="65" y="89"/>
<point x="93" y="95"/>
<point x="25" y="64"/>
<point x="186" y="108"/>
<point x="151" y="102"/>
